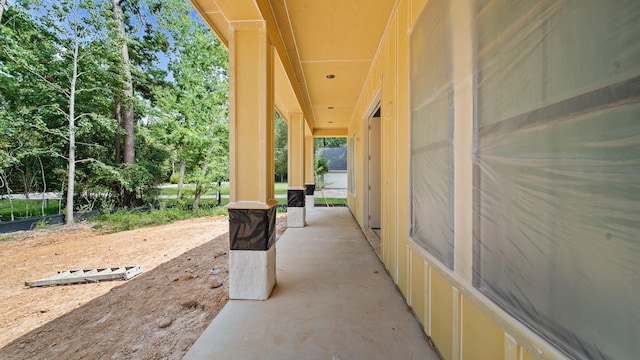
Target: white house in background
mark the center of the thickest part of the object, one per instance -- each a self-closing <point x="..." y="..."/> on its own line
<point x="336" y="178"/>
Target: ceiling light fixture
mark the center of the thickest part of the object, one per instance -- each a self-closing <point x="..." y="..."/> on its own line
<point x="331" y="76"/>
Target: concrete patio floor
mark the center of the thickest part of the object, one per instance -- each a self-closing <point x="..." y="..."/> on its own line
<point x="333" y="300"/>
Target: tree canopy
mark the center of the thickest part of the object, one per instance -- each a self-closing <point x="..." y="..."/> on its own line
<point x="72" y="71"/>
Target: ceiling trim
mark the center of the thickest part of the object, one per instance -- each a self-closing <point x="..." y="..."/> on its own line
<point x="330" y="133"/>
<point x="210" y="23"/>
<point x="298" y="85"/>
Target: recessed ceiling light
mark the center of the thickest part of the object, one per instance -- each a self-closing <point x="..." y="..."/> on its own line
<point x="330" y="76"/>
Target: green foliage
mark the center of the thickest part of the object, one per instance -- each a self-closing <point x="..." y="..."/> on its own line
<point x="41" y="224"/>
<point x="123" y="220"/>
<point x="193" y="108"/>
<point x="332" y="201"/>
<point x="173" y="179"/>
<point x="181" y="110"/>
<point x="26" y="209"/>
<point x="61" y="69"/>
<point x="281" y="187"/>
<point x="281" y="148"/>
<point x="321" y="165"/>
<point x="329" y="142"/>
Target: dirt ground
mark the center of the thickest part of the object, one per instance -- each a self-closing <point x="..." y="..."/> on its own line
<point x="156" y="315"/>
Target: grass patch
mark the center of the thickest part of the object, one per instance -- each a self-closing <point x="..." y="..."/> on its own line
<point x="21" y="210"/>
<point x="128" y="220"/>
<point x="281" y="188"/>
<point x="332" y="201"/>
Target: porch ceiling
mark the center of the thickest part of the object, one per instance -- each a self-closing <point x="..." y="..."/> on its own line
<point x="313" y="39"/>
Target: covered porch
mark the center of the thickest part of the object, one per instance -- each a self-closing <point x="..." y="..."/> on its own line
<point x="493" y="145"/>
<point x="333" y="300"/>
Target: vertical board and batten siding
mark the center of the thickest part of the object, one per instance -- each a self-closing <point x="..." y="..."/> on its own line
<point x="459" y="329"/>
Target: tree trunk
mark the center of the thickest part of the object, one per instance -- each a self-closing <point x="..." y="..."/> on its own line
<point x="3" y="3"/>
<point x="127" y="118"/>
<point x="72" y="138"/>
<point x="196" y="197"/>
<point x="3" y="177"/>
<point x="199" y="185"/>
<point x="183" y="165"/>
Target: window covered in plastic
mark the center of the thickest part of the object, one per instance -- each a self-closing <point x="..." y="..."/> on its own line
<point x="431" y="132"/>
<point x="557" y="189"/>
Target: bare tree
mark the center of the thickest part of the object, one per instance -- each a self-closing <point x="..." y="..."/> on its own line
<point x="128" y="123"/>
<point x="3" y="3"/>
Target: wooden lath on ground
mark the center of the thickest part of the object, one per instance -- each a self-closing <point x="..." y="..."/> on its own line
<point x="67" y="277"/>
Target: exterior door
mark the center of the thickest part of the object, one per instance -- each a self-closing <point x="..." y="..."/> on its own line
<point x="374" y="158"/>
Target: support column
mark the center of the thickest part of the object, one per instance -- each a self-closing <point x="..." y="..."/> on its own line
<point x="296" y="214"/>
<point x="309" y="163"/>
<point x="252" y="207"/>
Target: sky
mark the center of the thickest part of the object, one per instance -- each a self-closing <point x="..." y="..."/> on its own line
<point x="163" y="60"/>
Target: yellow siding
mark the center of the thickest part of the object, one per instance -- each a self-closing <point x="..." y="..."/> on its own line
<point x="482" y="339"/>
<point x="416" y="8"/>
<point x="442" y="314"/>
<point x="389" y="122"/>
<point x="458" y="328"/>
<point x="386" y="246"/>
<point x="527" y="356"/>
<point x="402" y="145"/>
<point x="418" y="287"/>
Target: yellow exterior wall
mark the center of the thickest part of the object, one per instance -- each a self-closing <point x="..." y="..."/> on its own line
<point x="527" y="356"/>
<point x="402" y="146"/>
<point x="458" y="327"/>
<point x="483" y="340"/>
<point x="416" y="8"/>
<point x="442" y="319"/>
<point x="418" y="286"/>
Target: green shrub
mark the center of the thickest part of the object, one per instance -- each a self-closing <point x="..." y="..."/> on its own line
<point x="41" y="224"/>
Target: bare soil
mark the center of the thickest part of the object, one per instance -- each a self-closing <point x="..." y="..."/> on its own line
<point x="156" y="315"/>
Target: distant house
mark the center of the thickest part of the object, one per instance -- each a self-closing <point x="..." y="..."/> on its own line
<point x="336" y="178"/>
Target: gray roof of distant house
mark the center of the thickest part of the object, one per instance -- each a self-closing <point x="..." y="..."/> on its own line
<point x="336" y="156"/>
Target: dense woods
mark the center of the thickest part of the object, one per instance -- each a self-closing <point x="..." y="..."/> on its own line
<point x="103" y="100"/>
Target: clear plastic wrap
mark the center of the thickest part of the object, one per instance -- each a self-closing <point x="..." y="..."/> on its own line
<point x="432" y="133"/>
<point x="558" y="169"/>
<point x="556" y="166"/>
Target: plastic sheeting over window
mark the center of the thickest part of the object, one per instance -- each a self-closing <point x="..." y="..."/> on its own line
<point x="556" y="163"/>
<point x="431" y="129"/>
<point x="558" y="169"/>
